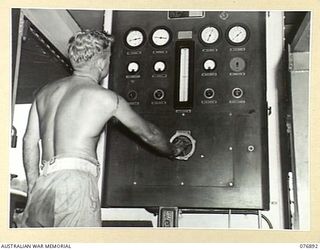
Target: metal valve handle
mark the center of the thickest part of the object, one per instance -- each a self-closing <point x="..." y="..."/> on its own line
<point x="186" y="134"/>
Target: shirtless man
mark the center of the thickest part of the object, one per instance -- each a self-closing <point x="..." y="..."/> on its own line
<point x="68" y="117"/>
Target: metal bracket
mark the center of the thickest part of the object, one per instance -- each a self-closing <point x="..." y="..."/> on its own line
<point x="168" y="217"/>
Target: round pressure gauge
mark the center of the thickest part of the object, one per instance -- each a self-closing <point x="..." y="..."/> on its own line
<point x="209" y="64"/>
<point x="133" y="67"/>
<point x="159" y="66"/>
<point x="209" y="35"/>
<point x="160" y="37"/>
<point x="237" y="35"/>
<point x="134" y="38"/>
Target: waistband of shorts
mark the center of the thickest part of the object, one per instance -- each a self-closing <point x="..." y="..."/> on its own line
<point x="71" y="162"/>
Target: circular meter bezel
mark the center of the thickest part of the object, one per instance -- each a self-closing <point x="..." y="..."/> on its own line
<point x="152" y="39"/>
<point x="246" y="38"/>
<point x="210" y="43"/>
<point x="131" y="63"/>
<point x="134" y="29"/>
<point x="209" y="60"/>
<point x="192" y="140"/>
<point x="159" y="62"/>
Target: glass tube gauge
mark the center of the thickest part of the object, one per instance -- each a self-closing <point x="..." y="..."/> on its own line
<point x="134" y="38"/>
<point x="160" y="37"/>
<point x="237" y="35"/>
<point x="209" y="35"/>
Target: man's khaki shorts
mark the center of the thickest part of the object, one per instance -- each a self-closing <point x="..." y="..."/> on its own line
<point x="65" y="195"/>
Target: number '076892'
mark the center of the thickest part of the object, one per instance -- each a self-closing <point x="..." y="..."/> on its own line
<point x="309" y="246"/>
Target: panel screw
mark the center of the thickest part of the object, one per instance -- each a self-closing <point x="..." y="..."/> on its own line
<point x="182" y="183"/>
<point x="230" y="184"/>
<point x="250" y="148"/>
<point x="224" y="15"/>
<point x="202" y="156"/>
<point x="230" y="148"/>
<point x="134" y="183"/>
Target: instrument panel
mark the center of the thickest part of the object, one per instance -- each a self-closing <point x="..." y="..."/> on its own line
<point x="200" y="76"/>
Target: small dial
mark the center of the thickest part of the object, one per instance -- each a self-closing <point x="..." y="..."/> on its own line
<point x="209" y="35"/>
<point x="238" y="35"/>
<point x="160" y="37"/>
<point x="159" y="66"/>
<point x="209" y="64"/>
<point x="134" y="38"/>
<point x="133" y="67"/>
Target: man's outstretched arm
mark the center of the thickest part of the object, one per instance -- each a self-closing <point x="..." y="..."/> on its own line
<point x="147" y="131"/>
<point x="31" y="151"/>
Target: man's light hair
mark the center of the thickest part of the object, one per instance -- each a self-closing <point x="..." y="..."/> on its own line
<point x="84" y="45"/>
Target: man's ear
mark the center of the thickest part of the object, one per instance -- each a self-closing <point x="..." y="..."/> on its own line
<point x="101" y="63"/>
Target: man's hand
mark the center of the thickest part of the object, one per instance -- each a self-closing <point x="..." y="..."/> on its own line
<point x="179" y="146"/>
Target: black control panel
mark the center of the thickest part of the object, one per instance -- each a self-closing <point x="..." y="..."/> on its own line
<point x="200" y="75"/>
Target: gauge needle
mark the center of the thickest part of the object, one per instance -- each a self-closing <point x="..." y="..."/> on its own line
<point x="161" y="37"/>
<point x="210" y="35"/>
<point x="237" y="35"/>
<point x="135" y="39"/>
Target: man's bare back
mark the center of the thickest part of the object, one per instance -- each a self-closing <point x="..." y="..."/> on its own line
<point x="72" y="114"/>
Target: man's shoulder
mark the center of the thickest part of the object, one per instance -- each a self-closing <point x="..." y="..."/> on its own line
<point x="103" y="94"/>
<point x="97" y="90"/>
<point x="49" y="87"/>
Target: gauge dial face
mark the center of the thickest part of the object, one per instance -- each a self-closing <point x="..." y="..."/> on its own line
<point x="133" y="67"/>
<point x="159" y="66"/>
<point x="209" y="64"/>
<point x="160" y="37"/>
<point x="210" y="35"/>
<point x="134" y="38"/>
<point x="237" y="34"/>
